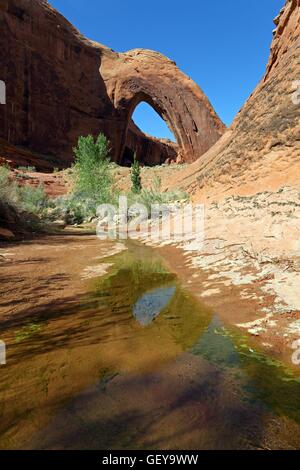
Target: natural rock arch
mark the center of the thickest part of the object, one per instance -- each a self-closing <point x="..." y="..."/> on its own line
<point x="61" y="85"/>
<point x="143" y="75"/>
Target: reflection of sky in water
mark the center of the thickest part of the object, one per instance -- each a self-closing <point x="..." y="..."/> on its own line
<point x="151" y="304"/>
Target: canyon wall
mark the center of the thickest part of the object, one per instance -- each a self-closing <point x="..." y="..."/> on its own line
<point x="61" y="85"/>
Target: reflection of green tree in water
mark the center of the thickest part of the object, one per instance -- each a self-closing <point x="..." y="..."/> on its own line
<point x="129" y="279"/>
<point x="261" y="377"/>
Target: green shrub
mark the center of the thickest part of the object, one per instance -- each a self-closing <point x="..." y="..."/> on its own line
<point x="136" y="176"/>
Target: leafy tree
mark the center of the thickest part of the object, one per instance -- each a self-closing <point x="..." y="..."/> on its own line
<point x="93" y="179"/>
<point x="136" y="176"/>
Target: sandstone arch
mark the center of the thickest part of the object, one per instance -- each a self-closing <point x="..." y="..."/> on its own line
<point x="144" y="75"/>
<point x="61" y="85"/>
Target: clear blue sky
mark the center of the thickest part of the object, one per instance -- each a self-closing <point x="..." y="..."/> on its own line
<point x="223" y="45"/>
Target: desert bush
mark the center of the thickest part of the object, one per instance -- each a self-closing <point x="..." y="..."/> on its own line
<point x="24" y="198"/>
<point x="5" y="185"/>
<point x="155" y="195"/>
<point x="71" y="209"/>
<point x="21" y="207"/>
<point x="9" y="190"/>
<point x="32" y="199"/>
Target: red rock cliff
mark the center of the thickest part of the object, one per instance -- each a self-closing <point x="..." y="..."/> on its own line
<point x="60" y="85"/>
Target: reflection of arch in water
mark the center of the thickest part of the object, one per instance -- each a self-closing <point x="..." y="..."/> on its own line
<point x="2" y="353"/>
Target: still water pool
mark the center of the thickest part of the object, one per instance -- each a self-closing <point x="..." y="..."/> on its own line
<point x="139" y="363"/>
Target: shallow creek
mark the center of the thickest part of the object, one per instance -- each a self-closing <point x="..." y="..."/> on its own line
<point x="138" y="363"/>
